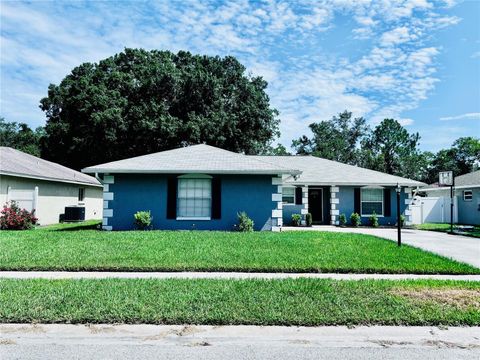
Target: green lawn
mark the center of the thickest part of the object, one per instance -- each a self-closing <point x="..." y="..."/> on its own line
<point x="215" y="251"/>
<point x="309" y="302"/>
<point x="442" y="227"/>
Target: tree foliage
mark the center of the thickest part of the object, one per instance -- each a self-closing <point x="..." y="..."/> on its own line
<point x="336" y="139"/>
<point x="139" y="102"/>
<point x="20" y="136"/>
<point x="388" y="147"/>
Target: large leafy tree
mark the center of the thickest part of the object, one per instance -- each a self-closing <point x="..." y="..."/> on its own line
<point x="391" y="149"/>
<point x="20" y="136"/>
<point x="335" y="139"/>
<point x="462" y="158"/>
<point x="138" y="102"/>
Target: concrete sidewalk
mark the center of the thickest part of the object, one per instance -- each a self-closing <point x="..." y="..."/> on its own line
<point x="219" y="275"/>
<point x="461" y="248"/>
<point x="102" y="341"/>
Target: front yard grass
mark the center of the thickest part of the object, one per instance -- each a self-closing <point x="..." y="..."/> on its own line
<point x="305" y="302"/>
<point x="90" y="250"/>
<point x="443" y="227"/>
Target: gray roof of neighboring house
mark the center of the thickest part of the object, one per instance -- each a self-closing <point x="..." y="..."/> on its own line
<point x="318" y="171"/>
<point x="469" y="179"/>
<point x="17" y="163"/>
<point x="463" y="181"/>
<point x="193" y="159"/>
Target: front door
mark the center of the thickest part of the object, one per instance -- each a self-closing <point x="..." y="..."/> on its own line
<point x="315" y="204"/>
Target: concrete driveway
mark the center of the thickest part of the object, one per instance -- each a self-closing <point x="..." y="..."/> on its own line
<point x="457" y="247"/>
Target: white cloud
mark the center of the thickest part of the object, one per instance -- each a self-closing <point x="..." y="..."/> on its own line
<point x="466" y="116"/>
<point x="396" y="36"/>
<point x="475" y="55"/>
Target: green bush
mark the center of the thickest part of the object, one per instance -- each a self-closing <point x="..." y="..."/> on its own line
<point x="373" y="220"/>
<point x="308" y="219"/>
<point x="143" y="220"/>
<point x="296" y="219"/>
<point x="245" y="224"/>
<point x="342" y="220"/>
<point x="355" y="219"/>
<point x="402" y="220"/>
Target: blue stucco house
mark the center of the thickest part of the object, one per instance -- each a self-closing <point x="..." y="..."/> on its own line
<point x="203" y="187"/>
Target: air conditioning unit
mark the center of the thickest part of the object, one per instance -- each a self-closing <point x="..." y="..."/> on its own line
<point x="74" y="213"/>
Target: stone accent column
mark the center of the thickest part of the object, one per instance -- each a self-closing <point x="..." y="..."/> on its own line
<point x="334" y="202"/>
<point x="304" y="209"/>
<point x="277" y="212"/>
<point x="408" y="210"/>
<point x="107" y="197"/>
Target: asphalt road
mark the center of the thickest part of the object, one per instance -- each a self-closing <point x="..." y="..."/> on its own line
<point x="235" y="342"/>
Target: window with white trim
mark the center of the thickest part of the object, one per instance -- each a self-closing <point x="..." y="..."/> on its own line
<point x="371" y="202"/>
<point x="81" y="194"/>
<point x="194" y="198"/>
<point x="467" y="195"/>
<point x="288" y="195"/>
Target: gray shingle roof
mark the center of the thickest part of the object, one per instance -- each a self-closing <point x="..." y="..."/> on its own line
<point x="17" y="163"/>
<point x="318" y="171"/>
<point x="472" y="178"/>
<point x="193" y="159"/>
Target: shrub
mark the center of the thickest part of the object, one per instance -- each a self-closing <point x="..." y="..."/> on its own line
<point x="355" y="219"/>
<point x="342" y="219"/>
<point x="402" y="220"/>
<point x="143" y="220"/>
<point x="14" y="218"/>
<point x="373" y="220"/>
<point x="296" y="219"/>
<point x="245" y="224"/>
<point x="308" y="219"/>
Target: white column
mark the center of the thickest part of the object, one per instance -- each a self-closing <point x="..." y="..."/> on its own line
<point x="304" y="208"/>
<point x="334" y="202"/>
<point x="277" y="212"/>
<point x="107" y="197"/>
<point x="408" y="210"/>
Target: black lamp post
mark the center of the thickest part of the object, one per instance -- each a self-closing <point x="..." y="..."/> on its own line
<point x="398" y="189"/>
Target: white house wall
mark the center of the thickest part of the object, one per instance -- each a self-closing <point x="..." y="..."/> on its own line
<point x="54" y="196"/>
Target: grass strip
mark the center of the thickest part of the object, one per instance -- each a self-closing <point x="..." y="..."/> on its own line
<point x="306" y="302"/>
<point x="309" y="251"/>
<point x="444" y="227"/>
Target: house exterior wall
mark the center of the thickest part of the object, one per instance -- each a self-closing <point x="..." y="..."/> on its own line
<point x="129" y="193"/>
<point x="53" y="197"/>
<point x="288" y="211"/>
<point x="469" y="211"/>
<point x="346" y="205"/>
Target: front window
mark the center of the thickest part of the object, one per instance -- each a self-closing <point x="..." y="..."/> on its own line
<point x="467" y="195"/>
<point x="194" y="199"/>
<point x="372" y="202"/>
<point x="288" y="195"/>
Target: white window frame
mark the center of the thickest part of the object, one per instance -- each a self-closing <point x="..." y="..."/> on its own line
<point x="82" y="190"/>
<point x="464" y="195"/>
<point x="287" y="203"/>
<point x="194" y="176"/>
<point x="361" y="202"/>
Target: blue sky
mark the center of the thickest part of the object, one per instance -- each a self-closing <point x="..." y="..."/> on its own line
<point x="416" y="60"/>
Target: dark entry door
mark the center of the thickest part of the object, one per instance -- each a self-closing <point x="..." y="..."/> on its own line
<point x="315" y="205"/>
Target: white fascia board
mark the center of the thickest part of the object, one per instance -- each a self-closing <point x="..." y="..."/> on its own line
<point x="337" y="183"/>
<point x="49" y="179"/>
<point x="448" y="188"/>
<point x="200" y="171"/>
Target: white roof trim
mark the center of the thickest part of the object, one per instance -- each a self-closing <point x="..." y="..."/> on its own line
<point x="448" y="188"/>
<point x="45" y="178"/>
<point x="91" y="170"/>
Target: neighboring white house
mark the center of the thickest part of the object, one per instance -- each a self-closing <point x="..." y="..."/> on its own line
<point x="46" y="187"/>
<point x="436" y="206"/>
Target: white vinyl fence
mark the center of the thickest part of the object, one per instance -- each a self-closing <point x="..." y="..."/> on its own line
<point x="433" y="209"/>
